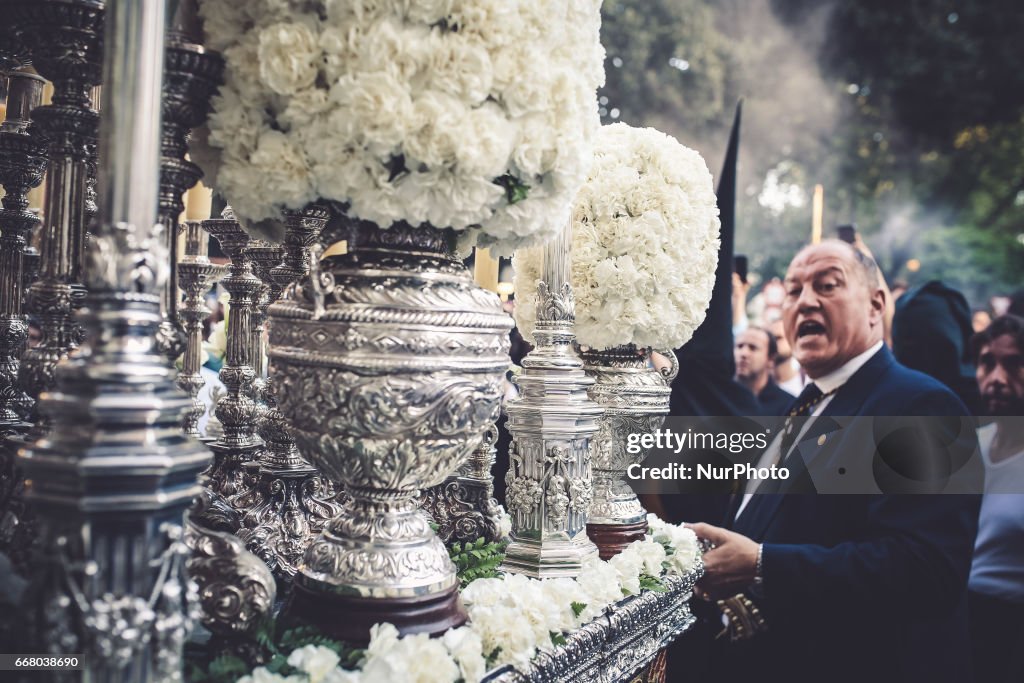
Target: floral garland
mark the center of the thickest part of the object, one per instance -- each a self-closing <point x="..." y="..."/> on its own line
<point x="644" y="244"/>
<point x="511" y="617"/>
<point x="476" y="115"/>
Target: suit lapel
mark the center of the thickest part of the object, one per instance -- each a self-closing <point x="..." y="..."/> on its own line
<point x="848" y="401"/>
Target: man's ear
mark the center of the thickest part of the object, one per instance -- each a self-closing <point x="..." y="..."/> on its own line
<point x="879" y="306"/>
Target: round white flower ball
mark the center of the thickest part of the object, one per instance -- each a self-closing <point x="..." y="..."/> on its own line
<point x="645" y="238"/>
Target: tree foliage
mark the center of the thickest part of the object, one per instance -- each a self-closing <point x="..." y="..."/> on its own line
<point x="911" y="114"/>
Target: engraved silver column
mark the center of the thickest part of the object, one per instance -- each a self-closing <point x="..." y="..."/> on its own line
<point x="263" y="256"/>
<point x="113" y="477"/>
<point x="22" y="159"/>
<point x="290" y="502"/>
<point x="196" y="274"/>
<point x="635" y="398"/>
<point x="463" y="506"/>
<point x="66" y="43"/>
<point x="191" y="76"/>
<point x="236" y="411"/>
<point x="552" y="422"/>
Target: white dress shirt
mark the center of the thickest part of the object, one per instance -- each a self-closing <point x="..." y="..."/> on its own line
<point x="826" y="383"/>
<point x="795" y="384"/>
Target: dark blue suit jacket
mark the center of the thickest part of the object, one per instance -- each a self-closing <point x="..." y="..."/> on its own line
<point x="861" y="587"/>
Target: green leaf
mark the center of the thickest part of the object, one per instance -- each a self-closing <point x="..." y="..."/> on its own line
<point x="578" y="607"/>
<point x="196" y="673"/>
<point x="493" y="656"/>
<point x="651" y="583"/>
<point x="279" y="665"/>
<point x="515" y="189"/>
<point x="228" y="668"/>
<point x="557" y="638"/>
<point x="476" y="559"/>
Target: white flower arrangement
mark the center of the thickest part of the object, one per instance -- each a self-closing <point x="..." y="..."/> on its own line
<point x="645" y="238"/>
<point x="476" y="115"/>
<point x="510" y="619"/>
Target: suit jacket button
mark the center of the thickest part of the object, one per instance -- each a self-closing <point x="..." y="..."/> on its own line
<point x="821" y="440"/>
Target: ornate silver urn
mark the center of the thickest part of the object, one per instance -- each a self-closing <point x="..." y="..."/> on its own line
<point x="635" y="398"/>
<point x="388" y="363"/>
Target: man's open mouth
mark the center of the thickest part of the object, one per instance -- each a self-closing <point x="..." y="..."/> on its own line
<point x="809" y="328"/>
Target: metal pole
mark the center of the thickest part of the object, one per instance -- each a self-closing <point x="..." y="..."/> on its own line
<point x="112" y="480"/>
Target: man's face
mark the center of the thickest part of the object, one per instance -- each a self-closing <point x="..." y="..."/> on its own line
<point x="980" y="321"/>
<point x="785" y="352"/>
<point x="751" y="351"/>
<point x="831" y="313"/>
<point x="1000" y="376"/>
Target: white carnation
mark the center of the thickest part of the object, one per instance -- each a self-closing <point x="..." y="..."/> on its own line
<point x="507" y="628"/>
<point x="416" y="658"/>
<point x="288" y="57"/>
<point x="653" y="555"/>
<point x="461" y="67"/>
<point x="644" y="245"/>
<point x="563" y="593"/>
<point x="263" y="675"/>
<point x="304" y="109"/>
<point x="466" y="647"/>
<point x="379" y="106"/>
<point x="600" y="581"/>
<point x="314" y="660"/>
<point x="504" y="524"/>
<point x="628" y="564"/>
<point x="223" y="22"/>
<point x="434" y="131"/>
<point x="427" y="12"/>
<point x="484" y="592"/>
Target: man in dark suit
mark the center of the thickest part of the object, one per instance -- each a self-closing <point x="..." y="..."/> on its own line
<point x="755" y="350"/>
<point x="843" y="587"/>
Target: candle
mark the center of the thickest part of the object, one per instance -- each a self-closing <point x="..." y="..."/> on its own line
<point x="198" y="202"/>
<point x="555" y="272"/>
<point x="816" y="213"/>
<point x="485" y="269"/>
<point x="505" y="290"/>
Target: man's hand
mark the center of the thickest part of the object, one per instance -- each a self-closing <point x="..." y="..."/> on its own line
<point x="730" y="566"/>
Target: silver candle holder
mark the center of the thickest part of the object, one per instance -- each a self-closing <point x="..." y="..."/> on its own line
<point x="191" y="76"/>
<point x="22" y="159"/>
<point x="290" y="503"/>
<point x="196" y="274"/>
<point x="66" y="47"/>
<point x="112" y="479"/>
<point x="463" y="507"/>
<point x="238" y="444"/>
<point x="553" y="422"/>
